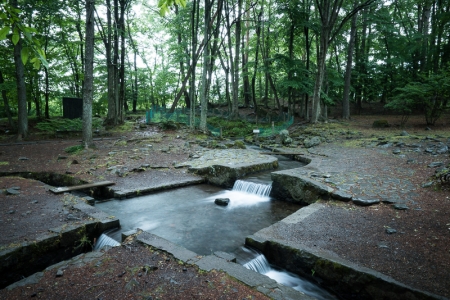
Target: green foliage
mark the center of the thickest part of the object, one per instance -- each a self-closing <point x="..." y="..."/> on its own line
<point x="56" y="124"/>
<point x="168" y="124"/>
<point x="74" y="149"/>
<point x="430" y="94"/>
<point x="11" y="20"/>
<point x="164" y="5"/>
<point x="232" y="128"/>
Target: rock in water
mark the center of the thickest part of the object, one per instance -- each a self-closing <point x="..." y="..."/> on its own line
<point x="222" y="201"/>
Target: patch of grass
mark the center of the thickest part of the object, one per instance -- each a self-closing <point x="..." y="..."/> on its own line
<point x="74" y="149"/>
<point x="4" y="163"/>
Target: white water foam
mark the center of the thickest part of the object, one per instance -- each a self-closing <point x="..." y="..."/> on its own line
<point x="261" y="265"/>
<point x="105" y="241"/>
<point x="262" y="190"/>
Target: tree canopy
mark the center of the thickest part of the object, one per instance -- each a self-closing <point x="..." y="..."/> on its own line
<point x="298" y="56"/>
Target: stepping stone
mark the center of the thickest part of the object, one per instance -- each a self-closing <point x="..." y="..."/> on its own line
<point x="365" y="202"/>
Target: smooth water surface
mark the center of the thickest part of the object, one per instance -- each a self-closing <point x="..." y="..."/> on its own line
<point x="189" y="217"/>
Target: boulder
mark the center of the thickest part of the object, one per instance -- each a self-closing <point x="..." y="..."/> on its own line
<point x="311" y="142"/>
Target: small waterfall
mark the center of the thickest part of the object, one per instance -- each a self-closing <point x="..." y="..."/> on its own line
<point x="261" y="265"/>
<point x="262" y="190"/>
<point x="104" y="241"/>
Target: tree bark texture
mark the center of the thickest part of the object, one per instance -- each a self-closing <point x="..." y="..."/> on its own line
<point x="88" y="89"/>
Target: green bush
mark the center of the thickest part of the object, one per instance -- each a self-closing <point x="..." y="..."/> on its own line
<point x="429" y="94"/>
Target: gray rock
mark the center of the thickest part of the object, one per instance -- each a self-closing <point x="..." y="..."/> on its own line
<point x="442" y="150"/>
<point x="312" y="142"/>
<point x="396" y="151"/>
<point x="341" y="195"/>
<point x="59" y="273"/>
<point x="23" y="158"/>
<point x="12" y="191"/>
<point x="72" y="217"/>
<point x="222" y="201"/>
<point x="400" y="206"/>
<point x="390" y="230"/>
<point x="404" y="133"/>
<point x="428" y="184"/>
<point x="384" y="145"/>
<point x="435" y="164"/>
<point x="284" y="137"/>
<point x="365" y="202"/>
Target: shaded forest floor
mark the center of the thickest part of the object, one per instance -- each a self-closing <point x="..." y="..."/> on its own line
<point x="119" y="157"/>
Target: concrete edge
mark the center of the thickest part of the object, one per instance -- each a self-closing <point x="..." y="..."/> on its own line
<point x="343" y="277"/>
<point x="128" y="193"/>
<point x="231" y="173"/>
<point x="52" y="246"/>
<point x="260" y="282"/>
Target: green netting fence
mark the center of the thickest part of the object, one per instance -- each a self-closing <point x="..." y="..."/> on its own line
<point x="266" y="126"/>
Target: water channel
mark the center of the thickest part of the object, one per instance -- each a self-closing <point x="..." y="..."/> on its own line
<point x="189" y="217"/>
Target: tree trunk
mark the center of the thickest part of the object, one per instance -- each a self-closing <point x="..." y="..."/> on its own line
<point x="88" y="89"/>
<point x="21" y="89"/>
<point x="255" y="68"/>
<point x="122" y="100"/>
<point x="348" y="71"/>
<point x="5" y="101"/>
<point x="204" y="83"/>
<point x="237" y="49"/>
<point x="111" y="116"/>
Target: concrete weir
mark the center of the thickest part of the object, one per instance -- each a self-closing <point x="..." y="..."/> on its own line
<point x="224" y="167"/>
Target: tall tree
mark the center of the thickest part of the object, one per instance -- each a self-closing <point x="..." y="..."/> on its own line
<point x="348" y="70"/>
<point x="329" y="11"/>
<point x="22" y="128"/>
<point x="88" y="90"/>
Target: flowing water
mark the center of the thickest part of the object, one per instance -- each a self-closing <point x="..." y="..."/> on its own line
<point x="189" y="217"/>
<point x="105" y="241"/>
<point x="260" y="264"/>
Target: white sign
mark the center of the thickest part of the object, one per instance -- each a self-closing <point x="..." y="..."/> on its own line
<point x="255" y="130"/>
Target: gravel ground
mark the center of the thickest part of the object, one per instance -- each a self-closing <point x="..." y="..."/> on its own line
<point x="418" y="254"/>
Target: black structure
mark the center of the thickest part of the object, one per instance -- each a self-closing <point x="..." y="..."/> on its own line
<point x="72" y="108"/>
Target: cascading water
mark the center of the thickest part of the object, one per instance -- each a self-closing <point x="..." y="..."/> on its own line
<point x="105" y="241"/>
<point x="261" y="265"/>
<point x="245" y="194"/>
<point x="262" y="190"/>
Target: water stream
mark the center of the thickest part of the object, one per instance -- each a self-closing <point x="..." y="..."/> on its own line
<point x="189" y="217"/>
<point x="260" y="264"/>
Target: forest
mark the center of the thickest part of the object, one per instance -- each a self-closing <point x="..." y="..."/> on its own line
<point x="296" y="56"/>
